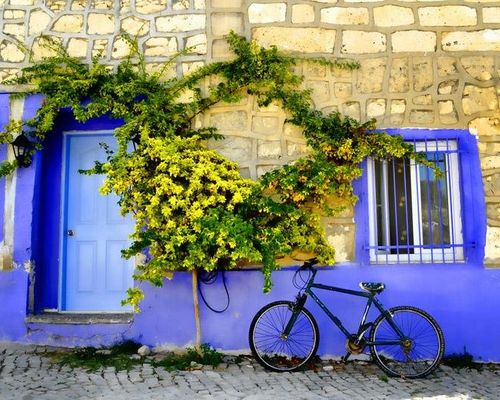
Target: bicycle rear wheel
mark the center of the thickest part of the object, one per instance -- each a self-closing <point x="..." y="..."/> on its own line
<point x="418" y="354"/>
<point x="275" y="351"/>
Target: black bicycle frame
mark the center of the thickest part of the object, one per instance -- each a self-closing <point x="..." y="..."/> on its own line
<point x="363" y="326"/>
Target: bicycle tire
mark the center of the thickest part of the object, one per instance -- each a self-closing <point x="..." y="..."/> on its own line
<point x="276" y="353"/>
<point x="422" y="354"/>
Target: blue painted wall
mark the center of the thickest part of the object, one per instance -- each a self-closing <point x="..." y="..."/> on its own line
<point x="462" y="297"/>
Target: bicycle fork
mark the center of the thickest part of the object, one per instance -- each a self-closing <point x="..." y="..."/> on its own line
<point x="298" y="305"/>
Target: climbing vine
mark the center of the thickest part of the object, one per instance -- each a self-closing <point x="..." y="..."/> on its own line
<point x="192" y="208"/>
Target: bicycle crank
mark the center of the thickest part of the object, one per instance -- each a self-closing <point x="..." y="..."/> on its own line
<point x="355" y="346"/>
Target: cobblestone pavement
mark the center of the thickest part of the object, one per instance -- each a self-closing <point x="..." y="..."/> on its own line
<point x="27" y="373"/>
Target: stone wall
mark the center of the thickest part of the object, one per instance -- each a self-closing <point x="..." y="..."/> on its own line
<point x="423" y="64"/>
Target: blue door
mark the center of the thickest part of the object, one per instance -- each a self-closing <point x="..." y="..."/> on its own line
<point x="95" y="276"/>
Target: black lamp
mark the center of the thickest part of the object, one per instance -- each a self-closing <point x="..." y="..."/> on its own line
<point x="136" y="140"/>
<point x="22" y="146"/>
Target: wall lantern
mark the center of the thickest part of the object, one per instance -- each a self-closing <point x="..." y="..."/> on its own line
<point x="22" y="147"/>
<point x="136" y="140"/>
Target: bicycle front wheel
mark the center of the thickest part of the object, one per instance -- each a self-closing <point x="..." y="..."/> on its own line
<point x="277" y="351"/>
<point x="415" y="355"/>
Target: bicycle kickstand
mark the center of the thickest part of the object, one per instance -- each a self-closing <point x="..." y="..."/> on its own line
<point x="346" y="357"/>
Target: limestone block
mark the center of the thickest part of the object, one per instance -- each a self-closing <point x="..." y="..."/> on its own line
<point x="375" y="108"/>
<point x="341" y="238"/>
<point x="447" y="112"/>
<point x="352" y="109"/>
<point x="229" y="120"/>
<point x="342" y="90"/>
<point x="476" y="99"/>
<point x="99" y="47"/>
<point x="484" y="40"/>
<point x="259" y="13"/>
<point x="262" y="169"/>
<point x="68" y="23"/>
<point x="198" y="43"/>
<point x="314" y="70"/>
<point x="77" y="47"/>
<point x="135" y="26"/>
<point x="447" y="16"/>
<point x="371" y="75"/>
<point x="160" y="47"/>
<point x="492" y="248"/>
<point x="102" y="4"/>
<point x="398" y="106"/>
<point x="393" y="16"/>
<point x="485" y="126"/>
<point x="180" y="5"/>
<point x="245" y="172"/>
<point x="399" y="79"/>
<point x="296" y="149"/>
<point x="100" y="24"/>
<point x="481" y="68"/>
<point x="78" y="5"/>
<point x="150" y="6"/>
<point x="199" y="4"/>
<point x="226" y="3"/>
<point x="292" y="131"/>
<point x="235" y="148"/>
<point x="9" y="52"/>
<point x="223" y="23"/>
<point x="181" y="23"/>
<point x="330" y="109"/>
<point x="447" y="66"/>
<point x="448" y="87"/>
<point x="423" y="100"/>
<point x="360" y="42"/>
<point x="17" y="30"/>
<point x="189" y="67"/>
<point x="320" y="90"/>
<point x="42" y="47"/>
<point x="422" y="116"/>
<point x="423" y="76"/>
<point x="8" y="73"/>
<point x="13" y="14"/>
<point x="305" y="40"/>
<point x="345" y="16"/>
<point x="269" y="149"/>
<point x="220" y="49"/>
<point x="489" y="148"/>
<point x="266" y="125"/>
<point x="22" y="2"/>
<point x="491" y="162"/>
<point x="413" y="41"/>
<point x="492" y="185"/>
<point x="121" y="49"/>
<point x="302" y="13"/>
<point x="55" y="5"/>
<point x="491" y="15"/>
<point x="38" y="22"/>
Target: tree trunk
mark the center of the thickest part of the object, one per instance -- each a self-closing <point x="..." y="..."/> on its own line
<point x="196" y="305"/>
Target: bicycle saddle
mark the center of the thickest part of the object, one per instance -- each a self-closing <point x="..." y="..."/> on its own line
<point x="372" y="287"/>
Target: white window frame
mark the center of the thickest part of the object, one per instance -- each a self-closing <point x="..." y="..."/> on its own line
<point x="442" y="254"/>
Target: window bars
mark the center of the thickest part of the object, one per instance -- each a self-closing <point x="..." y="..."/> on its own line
<point x="414" y="213"/>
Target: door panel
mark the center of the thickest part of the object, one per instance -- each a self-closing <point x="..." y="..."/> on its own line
<point x="95" y="275"/>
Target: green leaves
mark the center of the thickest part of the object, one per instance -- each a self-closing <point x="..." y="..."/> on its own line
<point x="193" y="210"/>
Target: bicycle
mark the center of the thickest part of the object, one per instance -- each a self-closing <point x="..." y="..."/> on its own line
<point x="404" y="341"/>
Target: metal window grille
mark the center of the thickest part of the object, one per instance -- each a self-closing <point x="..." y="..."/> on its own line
<point x="415" y="215"/>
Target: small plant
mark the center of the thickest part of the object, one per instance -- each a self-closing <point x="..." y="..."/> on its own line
<point x="92" y="359"/>
<point x="461" y="360"/>
<point x="206" y="356"/>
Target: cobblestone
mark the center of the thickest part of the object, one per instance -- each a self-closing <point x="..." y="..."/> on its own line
<point x="26" y="373"/>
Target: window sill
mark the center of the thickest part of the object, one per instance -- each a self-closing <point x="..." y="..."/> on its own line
<point x="71" y="318"/>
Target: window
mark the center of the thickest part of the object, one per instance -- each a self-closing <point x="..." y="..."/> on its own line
<point x="415" y="216"/>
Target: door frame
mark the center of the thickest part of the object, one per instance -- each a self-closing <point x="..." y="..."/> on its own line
<point x="61" y="284"/>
